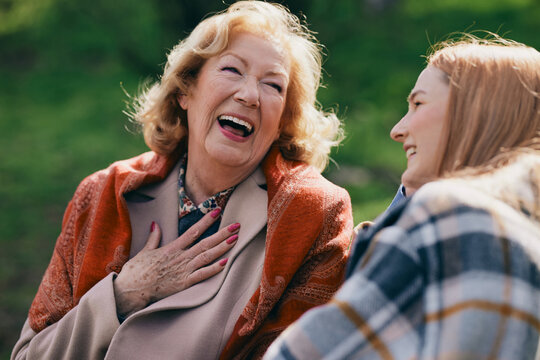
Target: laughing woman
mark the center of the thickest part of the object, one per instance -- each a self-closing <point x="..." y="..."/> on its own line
<point x="236" y="139"/>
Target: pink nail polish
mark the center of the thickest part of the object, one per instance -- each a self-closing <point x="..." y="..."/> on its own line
<point x="222" y="262"/>
<point x="232" y="239"/>
<point x="153" y="226"/>
<point x="233" y="227"/>
<point x="215" y="212"/>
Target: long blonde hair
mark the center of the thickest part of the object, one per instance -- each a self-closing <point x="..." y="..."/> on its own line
<point x="306" y="132"/>
<point x="494" y="99"/>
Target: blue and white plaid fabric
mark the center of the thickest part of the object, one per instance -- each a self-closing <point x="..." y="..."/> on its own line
<point x="450" y="274"/>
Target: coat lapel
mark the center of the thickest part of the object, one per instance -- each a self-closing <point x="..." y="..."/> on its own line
<point x="250" y="214"/>
<point x="154" y="202"/>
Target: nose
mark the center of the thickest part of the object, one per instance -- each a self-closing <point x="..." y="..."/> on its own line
<point x="248" y="93"/>
<point x="399" y="131"/>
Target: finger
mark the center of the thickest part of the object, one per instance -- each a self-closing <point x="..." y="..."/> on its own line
<point x="154" y="237"/>
<point x="206" y="272"/>
<point x="210" y="255"/>
<point x="214" y="239"/>
<point x="196" y="230"/>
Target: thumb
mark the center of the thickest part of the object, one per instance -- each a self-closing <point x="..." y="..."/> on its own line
<point x="154" y="237"/>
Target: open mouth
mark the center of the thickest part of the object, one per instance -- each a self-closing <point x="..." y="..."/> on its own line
<point x="236" y="126"/>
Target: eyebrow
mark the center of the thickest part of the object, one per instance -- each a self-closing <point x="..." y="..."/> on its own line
<point x="413" y="94"/>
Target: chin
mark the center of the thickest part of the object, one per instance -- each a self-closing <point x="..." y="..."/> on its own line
<point x="235" y="158"/>
<point x="411" y="185"/>
<point x="246" y="154"/>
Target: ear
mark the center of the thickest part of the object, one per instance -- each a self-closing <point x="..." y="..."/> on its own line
<point x="182" y="101"/>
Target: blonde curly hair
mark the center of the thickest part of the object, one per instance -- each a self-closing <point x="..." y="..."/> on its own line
<point x="307" y="133"/>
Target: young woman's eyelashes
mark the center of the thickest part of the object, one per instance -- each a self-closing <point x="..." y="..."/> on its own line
<point x="414" y="102"/>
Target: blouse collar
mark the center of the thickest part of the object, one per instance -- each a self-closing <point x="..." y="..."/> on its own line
<point x="186" y="206"/>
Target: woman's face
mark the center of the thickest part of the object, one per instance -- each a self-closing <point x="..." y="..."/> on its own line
<point x="235" y="106"/>
<point x="421" y="129"/>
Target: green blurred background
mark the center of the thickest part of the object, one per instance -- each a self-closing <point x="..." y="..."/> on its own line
<point x="64" y="65"/>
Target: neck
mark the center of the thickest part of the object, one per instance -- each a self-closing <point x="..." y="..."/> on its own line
<point x="204" y="180"/>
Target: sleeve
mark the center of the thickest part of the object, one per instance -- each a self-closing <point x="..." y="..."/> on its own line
<point x="85" y="332"/>
<point x="323" y="270"/>
<point x="55" y="295"/>
<point x="437" y="284"/>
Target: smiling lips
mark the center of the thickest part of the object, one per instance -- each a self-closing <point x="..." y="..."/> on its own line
<point x="410" y="151"/>
<point x="234" y="128"/>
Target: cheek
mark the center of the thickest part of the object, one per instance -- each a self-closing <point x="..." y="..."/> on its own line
<point x="273" y="109"/>
<point x="269" y="135"/>
<point x="420" y="121"/>
<point x="427" y="125"/>
<point x="203" y="107"/>
<point x="273" y="129"/>
<point x="434" y="127"/>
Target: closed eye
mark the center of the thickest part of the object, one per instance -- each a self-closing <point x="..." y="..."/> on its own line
<point x="276" y="86"/>
<point x="231" y="69"/>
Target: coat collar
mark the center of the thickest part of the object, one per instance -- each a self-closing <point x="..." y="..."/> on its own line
<point x="252" y="215"/>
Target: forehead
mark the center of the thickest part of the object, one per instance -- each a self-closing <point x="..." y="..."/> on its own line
<point x="266" y="50"/>
<point x="432" y="81"/>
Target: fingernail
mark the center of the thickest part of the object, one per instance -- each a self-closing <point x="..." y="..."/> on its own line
<point x="233" y="227"/>
<point x="222" y="262"/>
<point x="153" y="226"/>
<point x="215" y="212"/>
<point x="232" y="239"/>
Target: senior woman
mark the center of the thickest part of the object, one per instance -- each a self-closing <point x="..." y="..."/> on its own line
<point x="454" y="271"/>
<point x="234" y="129"/>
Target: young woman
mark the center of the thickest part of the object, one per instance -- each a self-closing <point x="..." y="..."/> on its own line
<point x="452" y="272"/>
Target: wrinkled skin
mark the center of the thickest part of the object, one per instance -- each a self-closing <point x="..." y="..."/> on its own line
<point x="155" y="273"/>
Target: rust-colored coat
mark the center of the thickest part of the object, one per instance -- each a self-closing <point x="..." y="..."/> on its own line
<point x="308" y="233"/>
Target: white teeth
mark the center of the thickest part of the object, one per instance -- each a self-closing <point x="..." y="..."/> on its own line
<point x="238" y="121"/>
<point x="411" y="150"/>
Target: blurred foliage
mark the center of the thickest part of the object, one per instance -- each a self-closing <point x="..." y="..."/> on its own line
<point x="64" y="65"/>
<point x="17" y="15"/>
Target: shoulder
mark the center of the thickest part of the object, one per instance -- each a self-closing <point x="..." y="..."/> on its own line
<point x="460" y="218"/>
<point x="498" y="206"/>
<point x="441" y="200"/>
<point x="313" y="185"/>
<point x="113" y="175"/>
<point x="466" y="201"/>
<point x="504" y="192"/>
<point x="439" y="216"/>
<point x="449" y="230"/>
<point x="444" y="210"/>
<point x="139" y="163"/>
<point x="296" y="179"/>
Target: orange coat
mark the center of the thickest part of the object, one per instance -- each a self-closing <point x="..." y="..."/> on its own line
<point x="308" y="234"/>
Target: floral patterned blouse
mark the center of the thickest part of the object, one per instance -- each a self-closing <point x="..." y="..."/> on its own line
<point x="186" y="206"/>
